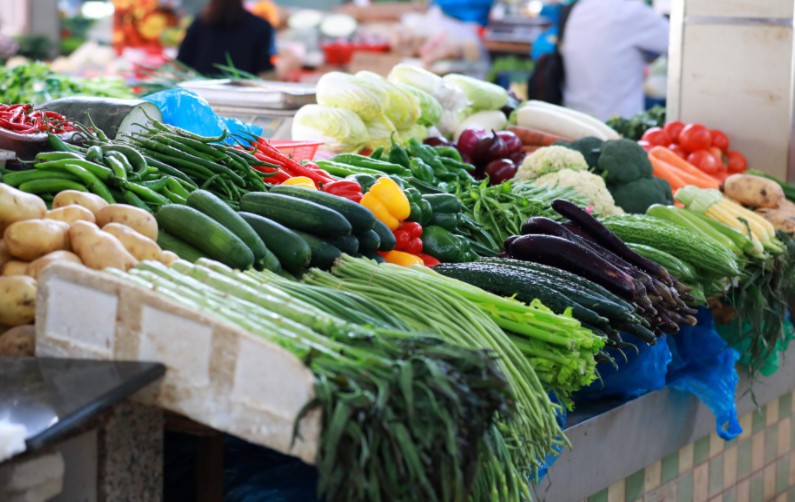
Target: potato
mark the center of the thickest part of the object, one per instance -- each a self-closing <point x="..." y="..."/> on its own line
<point x="140" y="246"/>
<point x="168" y="257"/>
<point x="31" y="239"/>
<point x="99" y="249"/>
<point x="5" y="254"/>
<point x="781" y="219"/>
<point x="15" y="267"/>
<point x="786" y="205"/>
<point x="18" y="341"/>
<point x="34" y="268"/>
<point x="71" y="214"/>
<point x="137" y="219"/>
<point x="90" y="201"/>
<point x="753" y="191"/>
<point x="16" y="205"/>
<point x="17" y="300"/>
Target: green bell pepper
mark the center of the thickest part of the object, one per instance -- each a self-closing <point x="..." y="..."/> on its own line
<point x="448" y="221"/>
<point x="444" y="203"/>
<point x="443" y="245"/>
<point x="365" y="180"/>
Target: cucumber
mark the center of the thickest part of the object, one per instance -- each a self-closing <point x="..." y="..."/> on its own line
<point x="292" y="251"/>
<point x="388" y="241"/>
<point x="360" y="218"/>
<point x="297" y="214"/>
<point x="510" y="282"/>
<point x="369" y="241"/>
<point x="374" y="256"/>
<point x="209" y="204"/>
<point x="323" y="253"/>
<point x="168" y="242"/>
<point x="347" y="243"/>
<point x="205" y="234"/>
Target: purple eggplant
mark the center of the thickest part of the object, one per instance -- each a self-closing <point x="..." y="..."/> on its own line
<point x="566" y="255"/>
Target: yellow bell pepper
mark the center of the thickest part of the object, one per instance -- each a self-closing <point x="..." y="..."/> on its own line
<point x="301" y="181"/>
<point x="387" y="202"/>
<point x="402" y="258"/>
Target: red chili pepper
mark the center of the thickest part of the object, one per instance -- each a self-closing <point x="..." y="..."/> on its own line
<point x="292" y="167"/>
<point x="349" y="189"/>
<point x="429" y="260"/>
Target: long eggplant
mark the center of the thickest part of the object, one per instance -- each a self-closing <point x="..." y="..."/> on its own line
<point x="560" y="253"/>
<point x="605" y="237"/>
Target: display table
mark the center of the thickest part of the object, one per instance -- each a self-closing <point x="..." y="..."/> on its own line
<point x="663" y="446"/>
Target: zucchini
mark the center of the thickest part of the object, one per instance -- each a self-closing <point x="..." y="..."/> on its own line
<point x="292" y="251"/>
<point x="168" y="242"/>
<point x="372" y="255"/>
<point x="678" y="268"/>
<point x="209" y="204"/>
<point x="323" y="253"/>
<point x="205" y="234"/>
<point x="360" y="218"/>
<point x="388" y="241"/>
<point x="347" y="243"/>
<point x="298" y="214"/>
<point x="508" y="282"/>
<point x="369" y="241"/>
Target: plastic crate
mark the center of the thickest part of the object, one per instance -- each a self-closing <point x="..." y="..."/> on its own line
<point x="297" y="150"/>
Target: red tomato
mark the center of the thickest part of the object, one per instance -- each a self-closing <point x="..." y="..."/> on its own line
<point x="695" y="137"/>
<point x="677" y="150"/>
<point x="645" y="145"/>
<point x="737" y="162"/>
<point x="720" y="140"/>
<point x="674" y="129"/>
<point x="705" y="161"/>
<point x="718" y="154"/>
<point x="656" y="136"/>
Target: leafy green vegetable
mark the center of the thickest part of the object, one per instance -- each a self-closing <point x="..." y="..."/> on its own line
<point x="481" y="95"/>
<point x="367" y="99"/>
<point x="431" y="109"/>
<point x="34" y="82"/>
<point x="634" y="127"/>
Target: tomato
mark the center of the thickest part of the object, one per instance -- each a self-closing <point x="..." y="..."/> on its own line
<point x="720" y="140"/>
<point x="718" y="154"/>
<point x="656" y="136"/>
<point x="674" y="129"/>
<point x="737" y="162"/>
<point x="645" y="145"/>
<point x="677" y="150"/>
<point x="704" y="160"/>
<point x="695" y="137"/>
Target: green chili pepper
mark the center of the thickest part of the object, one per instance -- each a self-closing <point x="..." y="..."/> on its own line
<point x="95" y="154"/>
<point x="365" y="180"/>
<point x="119" y="173"/>
<point x="421" y="170"/>
<point x="449" y="152"/>
<point x="399" y="156"/>
<point x="133" y="200"/>
<point x="377" y="153"/>
<point x="356" y="160"/>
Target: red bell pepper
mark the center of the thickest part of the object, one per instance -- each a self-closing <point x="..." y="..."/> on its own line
<point x="429" y="260"/>
<point x="408" y="239"/>
<point x="349" y="189"/>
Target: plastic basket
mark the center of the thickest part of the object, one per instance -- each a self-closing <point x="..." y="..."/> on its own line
<point x="297" y="150"/>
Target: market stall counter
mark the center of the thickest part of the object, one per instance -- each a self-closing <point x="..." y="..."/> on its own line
<point x="663" y="446"/>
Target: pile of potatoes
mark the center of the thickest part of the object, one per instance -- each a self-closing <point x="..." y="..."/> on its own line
<point x="764" y="196"/>
<point x="80" y="228"/>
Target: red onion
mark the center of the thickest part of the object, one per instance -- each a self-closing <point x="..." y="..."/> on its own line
<point x="437" y="141"/>
<point x="468" y="140"/>
<point x="511" y="142"/>
<point x="500" y="170"/>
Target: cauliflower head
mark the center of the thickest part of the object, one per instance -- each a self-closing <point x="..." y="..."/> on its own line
<point x="550" y="159"/>
<point x="589" y="185"/>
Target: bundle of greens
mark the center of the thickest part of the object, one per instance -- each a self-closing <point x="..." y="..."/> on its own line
<point x="500" y="210"/>
<point x="405" y="416"/>
<point x="432" y="303"/>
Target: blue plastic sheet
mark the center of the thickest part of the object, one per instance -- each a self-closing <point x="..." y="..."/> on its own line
<point x="704" y="365"/>
<point x="188" y="110"/>
<point x="643" y="371"/>
<point x="558" y="449"/>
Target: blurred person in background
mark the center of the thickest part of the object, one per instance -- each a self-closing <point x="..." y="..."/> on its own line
<point x="606" y="45"/>
<point x="225" y="31"/>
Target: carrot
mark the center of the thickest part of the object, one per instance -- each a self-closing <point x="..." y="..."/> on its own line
<point x="667" y="172"/>
<point x="528" y="149"/>
<point x="666" y="155"/>
<point x="535" y="137"/>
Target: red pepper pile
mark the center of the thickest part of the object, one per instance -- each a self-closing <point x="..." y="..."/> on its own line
<point x="22" y="119"/>
<point x="287" y="167"/>
<point x="408" y="236"/>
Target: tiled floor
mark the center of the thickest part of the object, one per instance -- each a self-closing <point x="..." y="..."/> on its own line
<point x="758" y="466"/>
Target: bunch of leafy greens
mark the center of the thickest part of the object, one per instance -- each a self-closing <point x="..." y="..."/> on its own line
<point x="634" y="127"/>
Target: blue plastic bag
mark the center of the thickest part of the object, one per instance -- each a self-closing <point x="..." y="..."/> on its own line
<point x="643" y="371"/>
<point x="704" y="365"/>
<point x="185" y="109"/>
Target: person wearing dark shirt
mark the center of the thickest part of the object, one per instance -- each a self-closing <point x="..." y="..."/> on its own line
<point x="225" y="28"/>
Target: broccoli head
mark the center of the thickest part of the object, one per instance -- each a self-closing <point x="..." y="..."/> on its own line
<point x="636" y="196"/>
<point x="590" y="148"/>
<point x="623" y="161"/>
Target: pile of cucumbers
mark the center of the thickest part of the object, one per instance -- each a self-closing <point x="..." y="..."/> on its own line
<point x="286" y="229"/>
